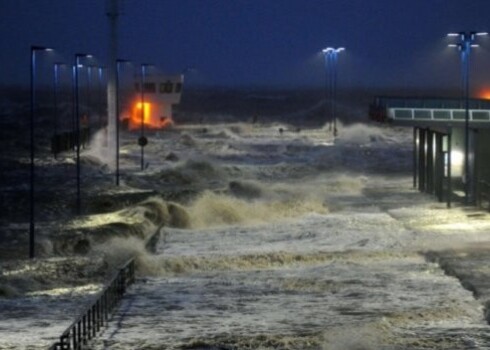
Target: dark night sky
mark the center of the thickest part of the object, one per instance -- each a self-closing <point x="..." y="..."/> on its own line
<point x="264" y="42"/>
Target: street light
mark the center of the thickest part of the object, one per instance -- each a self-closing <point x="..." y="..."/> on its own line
<point x="142" y="141"/>
<point x="118" y="64"/>
<point x="34" y="49"/>
<point x="100" y="94"/>
<point x="465" y="45"/>
<point x="77" y="124"/>
<point x="331" y="56"/>
<point x="56" y="67"/>
<point x="89" y="92"/>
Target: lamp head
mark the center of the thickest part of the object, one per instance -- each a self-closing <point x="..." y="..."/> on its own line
<point x="122" y="61"/>
<point x="458" y="46"/>
<point x="475" y="34"/>
<point x="82" y="55"/>
<point x="40" y="48"/>
<point x="329" y="50"/>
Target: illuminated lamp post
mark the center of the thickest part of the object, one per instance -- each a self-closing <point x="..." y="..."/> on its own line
<point x="465" y="45"/>
<point x="100" y="94"/>
<point x="89" y="92"/>
<point x="34" y="49"/>
<point x="143" y="141"/>
<point x="118" y="68"/>
<point x="331" y="56"/>
<point x="56" y="67"/>
<point x="77" y="126"/>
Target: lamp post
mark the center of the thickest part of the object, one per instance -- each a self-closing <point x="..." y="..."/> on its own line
<point x="34" y="49"/>
<point x="118" y="68"/>
<point x="77" y="126"/>
<point x="142" y="140"/>
<point x="89" y="92"/>
<point x="465" y="45"/>
<point x="100" y="94"/>
<point x="331" y="56"/>
<point x="56" y="67"/>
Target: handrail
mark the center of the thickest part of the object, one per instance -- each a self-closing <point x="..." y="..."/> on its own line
<point x="86" y="326"/>
<point x="475" y="115"/>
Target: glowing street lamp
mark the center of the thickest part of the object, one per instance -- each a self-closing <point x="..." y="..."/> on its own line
<point x="331" y="56"/>
<point x="34" y="49"/>
<point x="56" y="67"/>
<point x="100" y="94"/>
<point x="90" y="67"/>
<point x="78" y="56"/>
<point x="142" y="141"/>
<point x="118" y="64"/>
<point x="465" y="45"/>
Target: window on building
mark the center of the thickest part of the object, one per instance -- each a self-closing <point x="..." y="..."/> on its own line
<point x="150" y="87"/>
<point x="166" y="88"/>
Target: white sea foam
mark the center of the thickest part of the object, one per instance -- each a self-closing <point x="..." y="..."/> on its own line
<point x="293" y="242"/>
<point x="299" y="246"/>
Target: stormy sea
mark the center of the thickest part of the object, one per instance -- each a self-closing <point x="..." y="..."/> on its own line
<point x="271" y="235"/>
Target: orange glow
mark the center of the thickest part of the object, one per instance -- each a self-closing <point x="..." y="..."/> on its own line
<point x="484" y="93"/>
<point x="150" y="121"/>
<point x="138" y="113"/>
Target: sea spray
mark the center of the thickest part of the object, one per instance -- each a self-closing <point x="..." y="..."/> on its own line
<point x="99" y="149"/>
<point x="190" y="172"/>
<point x="118" y="250"/>
<point x="213" y="209"/>
<point x="160" y="213"/>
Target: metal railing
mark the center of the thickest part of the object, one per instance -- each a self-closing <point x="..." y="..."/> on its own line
<point x="437" y="114"/>
<point x="97" y="315"/>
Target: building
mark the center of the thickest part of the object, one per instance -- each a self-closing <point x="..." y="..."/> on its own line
<point x="446" y="163"/>
<point x="154" y="104"/>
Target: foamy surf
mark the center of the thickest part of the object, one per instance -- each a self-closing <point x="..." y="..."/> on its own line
<point x="291" y="251"/>
<point x="285" y="240"/>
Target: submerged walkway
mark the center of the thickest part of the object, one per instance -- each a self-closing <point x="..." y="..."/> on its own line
<point x="356" y="276"/>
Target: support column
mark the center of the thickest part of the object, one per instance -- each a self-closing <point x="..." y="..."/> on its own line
<point x="449" y="191"/>
<point x="439" y="167"/>
<point x="415" y="155"/>
<point x="112" y="14"/>
<point x="422" y="159"/>
<point x="429" y="188"/>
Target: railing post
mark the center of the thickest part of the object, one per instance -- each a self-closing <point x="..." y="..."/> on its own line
<point x="98" y="315"/>
<point x="106" y="312"/>
<point x="64" y="345"/>
<point x="74" y="337"/>
<point x="94" y="324"/>
<point x="79" y="331"/>
<point x="84" y="328"/>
